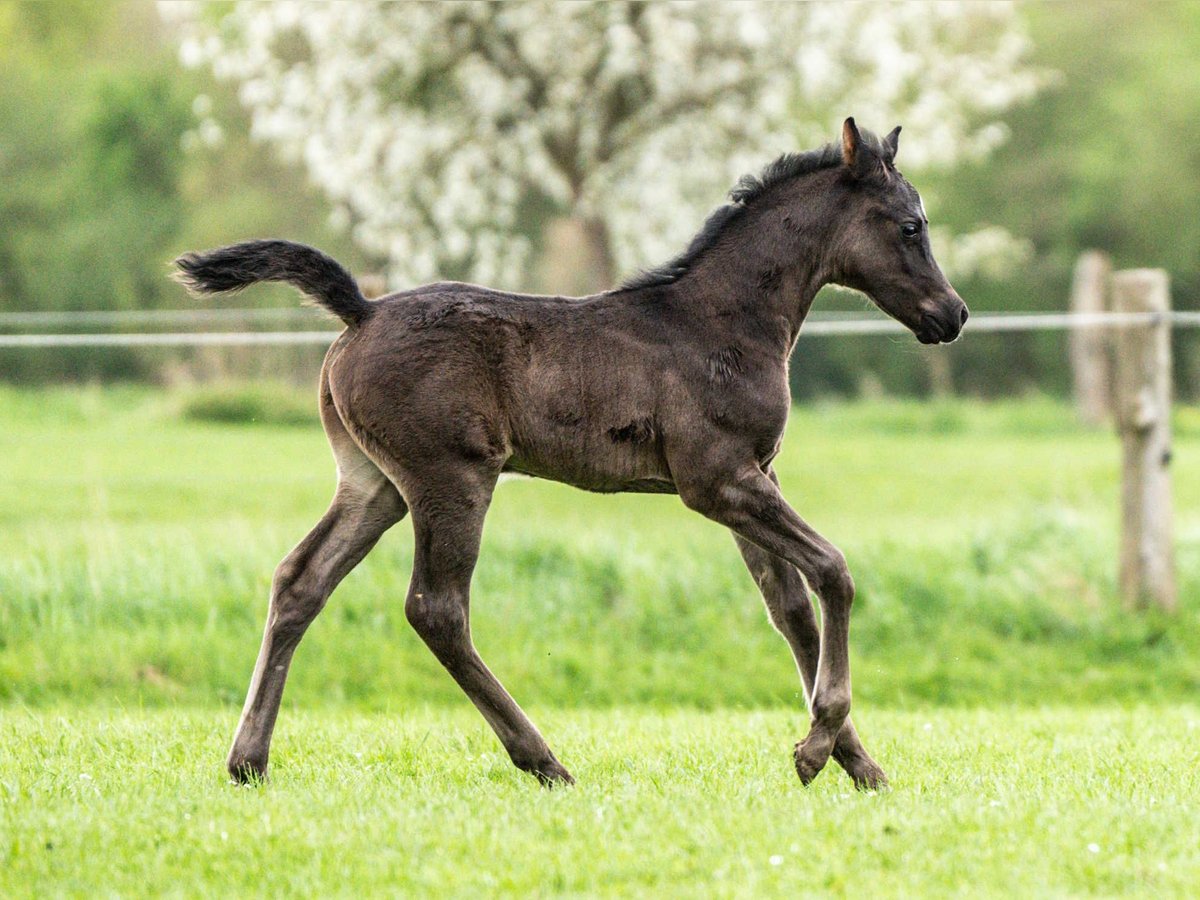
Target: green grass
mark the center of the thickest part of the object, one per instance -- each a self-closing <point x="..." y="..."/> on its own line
<point x="1023" y="715"/>
<point x="421" y="803"/>
<point x="265" y="403"/>
<point x="137" y="546"/>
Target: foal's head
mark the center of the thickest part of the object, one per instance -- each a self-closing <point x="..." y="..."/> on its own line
<point x="883" y="249"/>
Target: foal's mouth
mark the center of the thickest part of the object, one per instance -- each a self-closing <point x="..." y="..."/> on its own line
<point x="941" y="329"/>
<point x="930" y="331"/>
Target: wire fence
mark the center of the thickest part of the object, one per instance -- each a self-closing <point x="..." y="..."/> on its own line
<point x="169" y="339"/>
<point x="817" y="325"/>
<point x="117" y="317"/>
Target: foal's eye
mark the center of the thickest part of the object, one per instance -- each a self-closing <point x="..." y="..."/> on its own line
<point x="910" y="229"/>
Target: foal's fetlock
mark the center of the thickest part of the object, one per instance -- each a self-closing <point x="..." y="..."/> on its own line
<point x="830" y="711"/>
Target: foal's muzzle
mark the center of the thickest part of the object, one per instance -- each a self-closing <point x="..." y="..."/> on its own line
<point x="943" y="324"/>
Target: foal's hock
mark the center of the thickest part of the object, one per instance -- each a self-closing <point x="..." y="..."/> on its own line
<point x="674" y="382"/>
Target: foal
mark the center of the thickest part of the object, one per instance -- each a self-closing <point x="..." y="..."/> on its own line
<point x="675" y="382"/>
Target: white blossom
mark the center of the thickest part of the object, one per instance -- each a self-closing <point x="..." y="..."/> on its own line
<point x="436" y="130"/>
<point x="989" y="252"/>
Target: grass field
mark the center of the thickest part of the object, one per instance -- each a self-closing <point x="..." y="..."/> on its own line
<point x="1039" y="738"/>
<point x="985" y="803"/>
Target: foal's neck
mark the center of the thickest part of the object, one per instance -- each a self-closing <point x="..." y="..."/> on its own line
<point x="763" y="274"/>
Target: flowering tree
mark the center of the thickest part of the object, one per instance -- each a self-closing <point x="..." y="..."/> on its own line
<point x="444" y="132"/>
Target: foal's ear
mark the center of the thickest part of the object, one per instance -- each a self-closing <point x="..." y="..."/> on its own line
<point x="860" y="157"/>
<point x="891" y="143"/>
<point x="851" y="140"/>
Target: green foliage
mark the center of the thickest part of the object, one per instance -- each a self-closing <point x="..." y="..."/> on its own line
<point x="92" y="185"/>
<point x="1107" y="158"/>
<point x="97" y="194"/>
<point x="260" y="403"/>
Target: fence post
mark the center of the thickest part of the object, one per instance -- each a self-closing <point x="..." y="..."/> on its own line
<point x="1143" y="414"/>
<point x="1091" y="362"/>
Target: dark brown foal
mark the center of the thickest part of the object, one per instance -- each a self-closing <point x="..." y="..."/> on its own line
<point x="675" y="382"/>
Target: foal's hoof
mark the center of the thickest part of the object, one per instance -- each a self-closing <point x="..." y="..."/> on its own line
<point x="552" y="774"/>
<point x="808" y="763"/>
<point x="247" y="771"/>
<point x="867" y="775"/>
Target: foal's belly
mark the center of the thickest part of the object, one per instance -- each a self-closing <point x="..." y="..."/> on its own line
<point x="626" y="462"/>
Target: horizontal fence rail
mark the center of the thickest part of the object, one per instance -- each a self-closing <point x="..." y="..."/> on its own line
<point x="169" y="339"/>
<point x="112" y="317"/>
<point x="814" y="326"/>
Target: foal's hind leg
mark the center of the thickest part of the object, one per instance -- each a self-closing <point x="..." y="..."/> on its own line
<point x="791" y="611"/>
<point x="448" y="508"/>
<point x="363" y="508"/>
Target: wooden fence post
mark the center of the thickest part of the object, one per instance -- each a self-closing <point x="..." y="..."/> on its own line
<point x="1091" y="361"/>
<point x="1143" y="414"/>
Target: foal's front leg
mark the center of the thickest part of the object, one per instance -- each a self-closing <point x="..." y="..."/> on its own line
<point x="791" y="611"/>
<point x="750" y="504"/>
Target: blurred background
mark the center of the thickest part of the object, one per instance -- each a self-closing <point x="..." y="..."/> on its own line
<point x="1032" y="134"/>
<point x="148" y="491"/>
<point x="159" y="455"/>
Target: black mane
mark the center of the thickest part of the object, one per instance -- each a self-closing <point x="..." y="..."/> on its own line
<point x="748" y="189"/>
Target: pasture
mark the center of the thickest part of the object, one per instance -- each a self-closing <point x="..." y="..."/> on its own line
<point x="1038" y="738"/>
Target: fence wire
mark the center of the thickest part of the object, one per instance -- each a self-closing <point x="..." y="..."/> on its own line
<point x="817" y="325"/>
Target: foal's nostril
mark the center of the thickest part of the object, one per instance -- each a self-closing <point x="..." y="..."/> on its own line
<point x="963" y="316"/>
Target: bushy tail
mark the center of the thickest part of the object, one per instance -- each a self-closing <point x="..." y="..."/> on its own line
<point x="319" y="276"/>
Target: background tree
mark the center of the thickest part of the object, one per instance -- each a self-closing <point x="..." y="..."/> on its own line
<point x="93" y="95"/>
<point x="1107" y="158"/>
<point x="106" y="174"/>
<point x="445" y="134"/>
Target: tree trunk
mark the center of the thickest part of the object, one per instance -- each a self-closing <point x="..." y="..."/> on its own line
<point x="600" y="262"/>
<point x="576" y="257"/>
